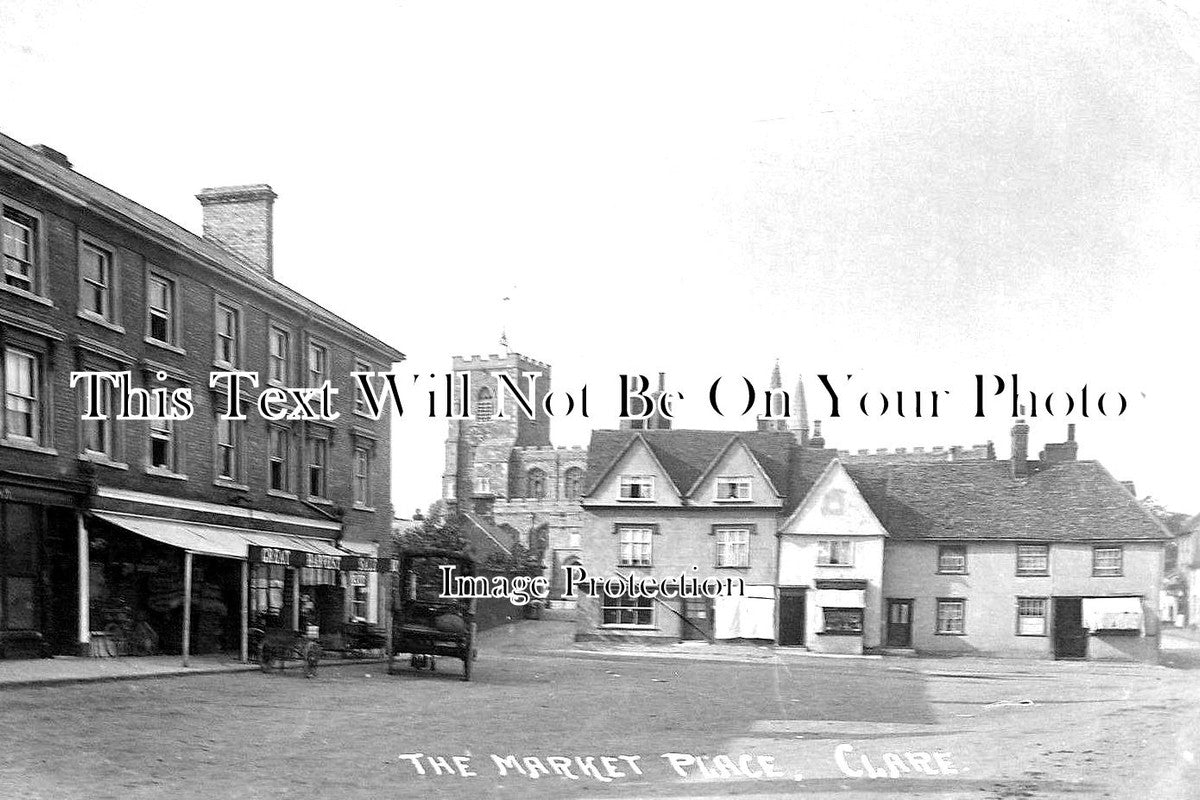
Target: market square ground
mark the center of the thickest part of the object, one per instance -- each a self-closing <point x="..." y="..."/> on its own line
<point x="1003" y="728"/>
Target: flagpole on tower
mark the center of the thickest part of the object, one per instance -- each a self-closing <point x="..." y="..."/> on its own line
<point x="504" y="305"/>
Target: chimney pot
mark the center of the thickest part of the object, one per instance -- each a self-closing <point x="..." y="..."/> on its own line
<point x="241" y="219"/>
<point x="1070" y="431"/>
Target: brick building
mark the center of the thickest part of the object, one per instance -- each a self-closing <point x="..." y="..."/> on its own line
<point x="105" y="522"/>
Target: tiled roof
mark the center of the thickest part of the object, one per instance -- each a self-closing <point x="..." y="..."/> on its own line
<point x="107" y="203"/>
<point x="685" y="454"/>
<point x="971" y="500"/>
<point x="483" y="535"/>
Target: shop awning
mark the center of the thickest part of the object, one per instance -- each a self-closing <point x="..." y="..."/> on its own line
<point x="241" y="543"/>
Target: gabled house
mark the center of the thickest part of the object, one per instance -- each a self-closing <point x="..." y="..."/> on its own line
<point x="1058" y="561"/>
<point x="665" y="503"/>
<point x="1049" y="557"/>
<point x="831" y="552"/>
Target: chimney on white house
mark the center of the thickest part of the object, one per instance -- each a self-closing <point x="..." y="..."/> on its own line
<point x="1020" y="447"/>
<point x="241" y="219"/>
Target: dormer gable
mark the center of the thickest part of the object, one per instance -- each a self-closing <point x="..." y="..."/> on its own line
<point x="834" y="506"/>
<point x="735" y="478"/>
<point x="635" y="477"/>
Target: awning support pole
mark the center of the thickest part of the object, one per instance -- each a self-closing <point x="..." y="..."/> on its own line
<point x="296" y="599"/>
<point x="187" y="604"/>
<point x="388" y="610"/>
<point x="84" y="609"/>
<point x="245" y="640"/>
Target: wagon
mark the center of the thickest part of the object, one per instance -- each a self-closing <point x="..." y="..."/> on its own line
<point x="425" y="622"/>
<point x="277" y="646"/>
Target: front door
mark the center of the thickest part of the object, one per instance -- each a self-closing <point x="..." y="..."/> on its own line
<point x="697" y="614"/>
<point x="899" y="623"/>
<point x="1070" y="637"/>
<point x="791" y="616"/>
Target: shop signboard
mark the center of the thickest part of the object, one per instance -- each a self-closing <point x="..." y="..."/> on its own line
<point x="299" y="558"/>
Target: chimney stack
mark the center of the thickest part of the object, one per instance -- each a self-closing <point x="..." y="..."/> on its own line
<point x="1059" y="452"/>
<point x="817" y="439"/>
<point x="49" y="153"/>
<point x="241" y="219"/>
<point x="1020" y="448"/>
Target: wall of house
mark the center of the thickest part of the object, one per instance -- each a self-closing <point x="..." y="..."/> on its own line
<point x="50" y="323"/>
<point x="684" y="544"/>
<point x="798" y="567"/>
<point x="991" y="588"/>
<point x="122" y="344"/>
<point x="834" y="509"/>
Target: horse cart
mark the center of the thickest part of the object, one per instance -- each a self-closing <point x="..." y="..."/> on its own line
<point x="425" y="622"/>
<point x="276" y="646"/>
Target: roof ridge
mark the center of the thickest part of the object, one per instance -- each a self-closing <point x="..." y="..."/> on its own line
<point x="52" y="172"/>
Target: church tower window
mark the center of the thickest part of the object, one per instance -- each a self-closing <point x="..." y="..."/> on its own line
<point x="485" y="404"/>
<point x="536" y="484"/>
<point x="573" y="483"/>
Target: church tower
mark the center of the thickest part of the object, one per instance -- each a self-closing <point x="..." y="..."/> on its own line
<point x="478" y="450"/>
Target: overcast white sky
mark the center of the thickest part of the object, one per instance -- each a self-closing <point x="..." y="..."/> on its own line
<point x="913" y="192"/>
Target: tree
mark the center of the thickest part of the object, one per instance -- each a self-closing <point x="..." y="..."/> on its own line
<point x="1175" y="582"/>
<point x="438" y="529"/>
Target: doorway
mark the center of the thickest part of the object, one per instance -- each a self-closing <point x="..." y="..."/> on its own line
<point x="899" y="623"/>
<point x="791" y="616"/>
<point x="1070" y="637"/>
<point x="697" y="615"/>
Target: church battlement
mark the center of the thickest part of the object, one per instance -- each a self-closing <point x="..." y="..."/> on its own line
<point x="550" y="448"/>
<point x="509" y="359"/>
<point x="976" y="452"/>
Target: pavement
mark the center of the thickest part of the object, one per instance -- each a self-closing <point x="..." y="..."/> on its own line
<point x="1180" y="648"/>
<point x="71" y="669"/>
<point x="696" y="721"/>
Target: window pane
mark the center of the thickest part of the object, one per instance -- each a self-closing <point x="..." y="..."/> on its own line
<point x="21" y="401"/>
<point x="950" y="615"/>
<point x="952" y="559"/>
<point x="19" y="247"/>
<point x="626" y="610"/>
<point x="1034" y="559"/>
<point x="160" y="453"/>
<point x="843" y="620"/>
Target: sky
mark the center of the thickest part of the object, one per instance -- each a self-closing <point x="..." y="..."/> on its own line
<point x="913" y="193"/>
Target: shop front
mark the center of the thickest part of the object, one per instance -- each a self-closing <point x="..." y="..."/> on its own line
<point x="316" y="593"/>
<point x="152" y="584"/>
<point x="38" y="533"/>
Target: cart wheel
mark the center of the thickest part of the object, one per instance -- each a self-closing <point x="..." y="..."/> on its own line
<point x="264" y="658"/>
<point x="466" y="676"/>
<point x="312" y="657"/>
